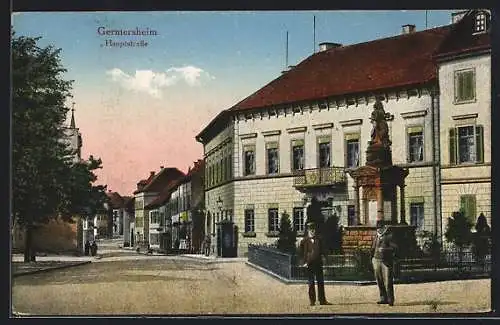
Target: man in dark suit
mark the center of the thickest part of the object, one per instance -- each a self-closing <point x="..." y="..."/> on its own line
<point x="311" y="252"/>
<point x="383" y="253"/>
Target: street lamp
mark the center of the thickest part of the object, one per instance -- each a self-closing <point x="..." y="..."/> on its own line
<point x="219" y="205"/>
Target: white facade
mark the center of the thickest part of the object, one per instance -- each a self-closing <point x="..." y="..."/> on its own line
<point x="412" y="110"/>
<point x="470" y="179"/>
<point x="142" y="199"/>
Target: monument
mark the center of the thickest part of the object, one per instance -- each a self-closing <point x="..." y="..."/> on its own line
<point x="378" y="181"/>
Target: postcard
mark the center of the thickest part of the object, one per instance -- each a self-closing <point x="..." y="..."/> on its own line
<point x="242" y="163"/>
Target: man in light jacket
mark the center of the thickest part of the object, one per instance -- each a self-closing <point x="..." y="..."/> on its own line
<point x="383" y="253"/>
<point x="311" y="252"/>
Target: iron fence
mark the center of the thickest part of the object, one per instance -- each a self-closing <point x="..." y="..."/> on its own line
<point x="357" y="266"/>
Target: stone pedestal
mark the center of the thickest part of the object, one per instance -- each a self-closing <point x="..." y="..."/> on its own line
<point x="357" y="237"/>
<point x="361" y="237"/>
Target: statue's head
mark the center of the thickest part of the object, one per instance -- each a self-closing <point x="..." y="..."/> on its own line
<point x="378" y="105"/>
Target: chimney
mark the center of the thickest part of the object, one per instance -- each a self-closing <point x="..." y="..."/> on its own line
<point x="408" y="29"/>
<point x="457" y="15"/>
<point x="152" y="173"/>
<point x="328" y="45"/>
<point x="161" y="167"/>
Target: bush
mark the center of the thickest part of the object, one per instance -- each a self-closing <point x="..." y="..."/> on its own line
<point x="287" y="236"/>
<point x="430" y="244"/>
<point x="458" y="230"/>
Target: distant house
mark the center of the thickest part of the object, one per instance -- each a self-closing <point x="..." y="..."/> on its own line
<point x="147" y="191"/>
<point x="117" y="207"/>
<point x="128" y="221"/>
<point x="176" y="215"/>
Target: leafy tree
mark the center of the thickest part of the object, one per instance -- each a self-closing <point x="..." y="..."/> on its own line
<point x="458" y="231"/>
<point x="45" y="181"/>
<point x="287" y="235"/>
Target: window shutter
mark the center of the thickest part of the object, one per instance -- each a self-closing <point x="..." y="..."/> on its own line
<point x="472" y="85"/>
<point x="479" y="144"/>
<point x="453" y="146"/>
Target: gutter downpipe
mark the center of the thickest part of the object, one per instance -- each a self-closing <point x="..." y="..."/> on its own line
<point x="437" y="163"/>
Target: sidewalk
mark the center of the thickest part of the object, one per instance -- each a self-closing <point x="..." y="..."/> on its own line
<point x="20" y="268"/>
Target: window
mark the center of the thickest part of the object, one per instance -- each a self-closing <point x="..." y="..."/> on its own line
<point x="465" y="86"/>
<point x="468" y="206"/>
<point x="249" y="220"/>
<point x="154" y="239"/>
<point x="154" y="217"/>
<point x="273" y="221"/>
<point x="466" y="144"/>
<point x="324" y="154"/>
<point x="351" y="213"/>
<point x="481" y="22"/>
<point x="162" y="219"/>
<point x="417" y="215"/>
<point x="298" y="219"/>
<point x="272" y="160"/>
<point x="297" y="157"/>
<point x="226" y="168"/>
<point x="415" y="146"/>
<point x="352" y="147"/>
<point x="249" y="156"/>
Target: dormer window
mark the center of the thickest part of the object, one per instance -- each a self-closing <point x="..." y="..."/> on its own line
<point x="482" y="21"/>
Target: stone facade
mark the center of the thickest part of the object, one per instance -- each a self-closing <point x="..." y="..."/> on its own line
<point x="413" y="109"/>
<point x="471" y="178"/>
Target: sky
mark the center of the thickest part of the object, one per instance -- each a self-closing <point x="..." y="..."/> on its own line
<point x="140" y="107"/>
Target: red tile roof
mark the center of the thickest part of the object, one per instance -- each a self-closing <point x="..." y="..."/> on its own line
<point x="165" y="194"/>
<point x="198" y="167"/>
<point x="462" y="40"/>
<point x="380" y="64"/>
<point x="156" y="182"/>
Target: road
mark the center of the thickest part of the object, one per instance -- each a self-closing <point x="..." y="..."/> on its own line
<point x="127" y="283"/>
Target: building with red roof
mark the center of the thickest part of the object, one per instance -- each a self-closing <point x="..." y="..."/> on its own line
<point x="295" y="138"/>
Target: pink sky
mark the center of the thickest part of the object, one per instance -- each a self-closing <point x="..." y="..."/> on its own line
<point x="134" y="133"/>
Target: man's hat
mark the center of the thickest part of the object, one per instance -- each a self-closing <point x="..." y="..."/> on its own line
<point x="310" y="224"/>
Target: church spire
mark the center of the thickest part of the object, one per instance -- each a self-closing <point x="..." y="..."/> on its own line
<point x="72" y="124"/>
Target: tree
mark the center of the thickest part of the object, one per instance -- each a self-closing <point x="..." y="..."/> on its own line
<point x="287" y="235"/>
<point x="458" y="232"/>
<point x="46" y="183"/>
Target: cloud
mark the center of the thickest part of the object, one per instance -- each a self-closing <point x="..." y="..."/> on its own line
<point x="152" y="83"/>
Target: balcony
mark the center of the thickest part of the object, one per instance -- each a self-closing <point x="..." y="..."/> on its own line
<point x="317" y="177"/>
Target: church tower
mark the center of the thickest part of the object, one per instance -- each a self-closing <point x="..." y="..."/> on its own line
<point x="74" y="136"/>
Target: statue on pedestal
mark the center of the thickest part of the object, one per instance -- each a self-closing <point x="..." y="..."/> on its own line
<point x="380" y="131"/>
<point x="379" y="147"/>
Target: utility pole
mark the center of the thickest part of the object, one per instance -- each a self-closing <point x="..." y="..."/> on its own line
<point x="314" y="34"/>
<point x="426" y="12"/>
<point x="286" y="51"/>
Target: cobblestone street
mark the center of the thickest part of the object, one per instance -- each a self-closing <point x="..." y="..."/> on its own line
<point x="175" y="285"/>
